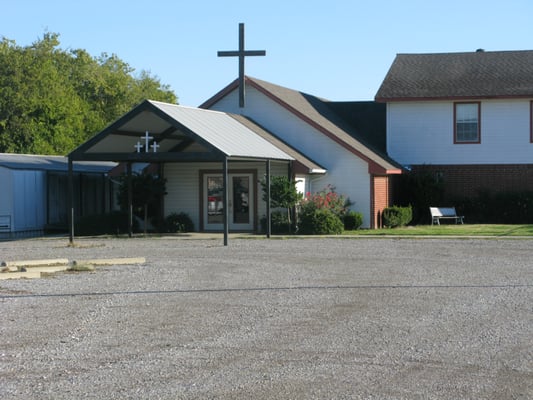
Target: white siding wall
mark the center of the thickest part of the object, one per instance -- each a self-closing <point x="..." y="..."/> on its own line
<point x="346" y="172"/>
<point x="422" y="133"/>
<point x="183" y="185"/>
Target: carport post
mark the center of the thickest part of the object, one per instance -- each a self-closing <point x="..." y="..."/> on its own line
<point x="226" y="198"/>
<point x="130" y="201"/>
<point x="70" y="201"/>
<point x="268" y="213"/>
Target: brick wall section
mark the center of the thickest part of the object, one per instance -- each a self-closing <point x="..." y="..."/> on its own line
<point x="381" y="197"/>
<point x="468" y="180"/>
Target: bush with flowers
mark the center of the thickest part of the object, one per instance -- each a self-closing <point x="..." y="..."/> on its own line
<point x="322" y="213"/>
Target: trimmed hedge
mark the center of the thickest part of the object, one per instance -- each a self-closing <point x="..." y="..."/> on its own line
<point x="397" y="216"/>
<point x="320" y="222"/>
<point x="175" y="222"/>
<point x="353" y="220"/>
<point x="279" y="223"/>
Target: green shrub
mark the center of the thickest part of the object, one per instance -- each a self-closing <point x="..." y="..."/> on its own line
<point x="353" y="220"/>
<point x="279" y="223"/>
<point x="327" y="199"/>
<point x="320" y="221"/>
<point x="178" y="223"/>
<point x="397" y="216"/>
<point x="420" y="189"/>
<point x="497" y="208"/>
<point x="322" y="213"/>
<point x="113" y="223"/>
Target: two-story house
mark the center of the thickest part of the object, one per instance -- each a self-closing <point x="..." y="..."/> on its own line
<point x="466" y="117"/>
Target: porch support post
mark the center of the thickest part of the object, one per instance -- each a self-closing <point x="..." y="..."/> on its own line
<point x="226" y="200"/>
<point x="268" y="213"/>
<point x="130" y="200"/>
<point x="292" y="210"/>
<point x="70" y="201"/>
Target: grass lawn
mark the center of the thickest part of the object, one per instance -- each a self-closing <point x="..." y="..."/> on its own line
<point x="451" y="230"/>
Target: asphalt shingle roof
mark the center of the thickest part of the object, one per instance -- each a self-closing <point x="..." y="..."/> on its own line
<point x="324" y="116"/>
<point x="479" y="74"/>
<point x="318" y="112"/>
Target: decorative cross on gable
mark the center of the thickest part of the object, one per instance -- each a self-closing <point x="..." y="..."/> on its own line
<point x="241" y="53"/>
<point x="146" y="138"/>
<point x="139" y="146"/>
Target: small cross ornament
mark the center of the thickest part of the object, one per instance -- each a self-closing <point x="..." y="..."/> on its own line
<point x="146" y="138"/>
<point x="154" y="146"/>
<point x="138" y="146"/>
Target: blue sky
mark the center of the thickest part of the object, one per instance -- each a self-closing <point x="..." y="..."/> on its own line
<point x="335" y="49"/>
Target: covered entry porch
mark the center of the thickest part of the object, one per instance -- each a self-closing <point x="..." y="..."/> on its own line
<point x="220" y="147"/>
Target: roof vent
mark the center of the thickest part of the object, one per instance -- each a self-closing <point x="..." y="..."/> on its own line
<point x="480" y="50"/>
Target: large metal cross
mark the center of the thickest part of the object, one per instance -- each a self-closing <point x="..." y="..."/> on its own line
<point x="241" y="53"/>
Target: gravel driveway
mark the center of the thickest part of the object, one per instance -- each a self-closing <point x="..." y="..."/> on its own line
<point x="272" y="319"/>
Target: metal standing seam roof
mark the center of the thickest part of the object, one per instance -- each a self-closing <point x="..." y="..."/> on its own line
<point x="51" y="163"/>
<point x="223" y="132"/>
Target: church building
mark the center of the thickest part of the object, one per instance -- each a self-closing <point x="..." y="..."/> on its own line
<point x="278" y="132"/>
<point x="465" y="117"/>
<point x="217" y="154"/>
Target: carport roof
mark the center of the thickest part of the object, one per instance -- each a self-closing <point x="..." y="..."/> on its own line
<point x="51" y="163"/>
<point x="181" y="133"/>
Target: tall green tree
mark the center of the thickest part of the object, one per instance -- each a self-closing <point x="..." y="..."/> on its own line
<point x="52" y="100"/>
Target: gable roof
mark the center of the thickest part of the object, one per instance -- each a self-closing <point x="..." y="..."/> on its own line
<point x="317" y="113"/>
<point x="368" y="120"/>
<point x="302" y="164"/>
<point x="182" y="134"/>
<point x="473" y="75"/>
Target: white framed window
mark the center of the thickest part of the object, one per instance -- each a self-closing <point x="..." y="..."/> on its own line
<point x="466" y="122"/>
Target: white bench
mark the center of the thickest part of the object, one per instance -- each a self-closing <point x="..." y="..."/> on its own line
<point x="438" y="213"/>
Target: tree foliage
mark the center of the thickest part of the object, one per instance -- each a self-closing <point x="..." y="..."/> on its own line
<point x="52" y="100"/>
<point x="283" y="194"/>
<point x="147" y="191"/>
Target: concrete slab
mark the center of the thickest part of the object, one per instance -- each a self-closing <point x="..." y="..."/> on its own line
<point x="36" y="263"/>
<point x="21" y="275"/>
<point x="111" y="261"/>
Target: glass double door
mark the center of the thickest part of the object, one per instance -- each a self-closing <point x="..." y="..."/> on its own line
<point x="241" y="202"/>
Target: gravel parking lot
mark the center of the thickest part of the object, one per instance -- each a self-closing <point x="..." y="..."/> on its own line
<point x="272" y="319"/>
